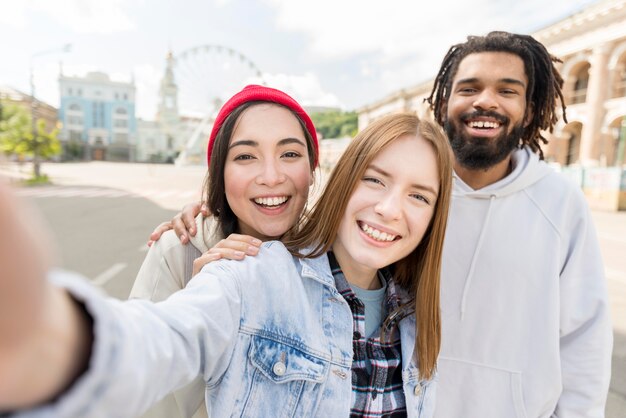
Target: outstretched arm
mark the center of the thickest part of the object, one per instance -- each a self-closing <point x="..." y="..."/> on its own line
<point x="45" y="337"/>
<point x="117" y="359"/>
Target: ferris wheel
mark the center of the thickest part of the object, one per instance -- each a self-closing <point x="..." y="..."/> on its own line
<point x="206" y="76"/>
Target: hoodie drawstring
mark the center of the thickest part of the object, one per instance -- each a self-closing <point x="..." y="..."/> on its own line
<point x="479" y="244"/>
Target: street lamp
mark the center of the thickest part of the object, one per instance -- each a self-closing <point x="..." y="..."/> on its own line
<point x="63" y="49"/>
<point x="33" y="101"/>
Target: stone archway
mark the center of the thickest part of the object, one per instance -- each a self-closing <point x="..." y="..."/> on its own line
<point x="617" y="67"/>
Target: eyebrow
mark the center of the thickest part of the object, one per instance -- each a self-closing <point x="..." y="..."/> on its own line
<point x="251" y="143"/>
<point x="502" y="80"/>
<point x="414" y="185"/>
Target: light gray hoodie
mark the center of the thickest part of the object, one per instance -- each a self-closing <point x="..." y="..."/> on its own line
<point x="526" y="330"/>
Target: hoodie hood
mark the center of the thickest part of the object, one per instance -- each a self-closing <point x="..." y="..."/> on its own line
<point x="527" y="170"/>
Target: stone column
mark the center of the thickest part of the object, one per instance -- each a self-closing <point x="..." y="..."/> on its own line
<point x="597" y="91"/>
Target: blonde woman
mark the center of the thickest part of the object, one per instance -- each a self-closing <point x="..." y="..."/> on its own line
<point x="283" y="333"/>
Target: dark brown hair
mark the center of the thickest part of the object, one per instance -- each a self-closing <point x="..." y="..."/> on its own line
<point x="214" y="190"/>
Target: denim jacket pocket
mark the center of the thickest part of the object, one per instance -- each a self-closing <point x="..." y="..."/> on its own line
<point x="286" y="380"/>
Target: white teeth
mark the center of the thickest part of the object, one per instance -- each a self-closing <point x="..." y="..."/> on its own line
<point x="483" y="124"/>
<point x="376" y="234"/>
<point x="271" y="201"/>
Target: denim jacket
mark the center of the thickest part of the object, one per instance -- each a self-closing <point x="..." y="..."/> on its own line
<point x="270" y="336"/>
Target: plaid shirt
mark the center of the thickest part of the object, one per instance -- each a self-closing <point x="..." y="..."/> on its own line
<point x="378" y="393"/>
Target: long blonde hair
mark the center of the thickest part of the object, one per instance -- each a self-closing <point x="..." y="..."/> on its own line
<point x="419" y="272"/>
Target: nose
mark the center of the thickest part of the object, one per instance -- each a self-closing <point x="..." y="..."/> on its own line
<point x="271" y="174"/>
<point x="390" y="206"/>
<point x="486" y="99"/>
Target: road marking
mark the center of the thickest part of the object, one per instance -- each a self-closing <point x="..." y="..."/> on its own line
<point x="108" y="274"/>
<point x="90" y="192"/>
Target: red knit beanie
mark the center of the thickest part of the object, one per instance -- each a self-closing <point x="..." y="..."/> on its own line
<point x="253" y="93"/>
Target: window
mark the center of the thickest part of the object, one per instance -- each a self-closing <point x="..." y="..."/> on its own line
<point x="581" y="77"/>
<point x="120" y="123"/>
<point x="75" y="136"/>
<point x="121" y="138"/>
<point x="74" y="120"/>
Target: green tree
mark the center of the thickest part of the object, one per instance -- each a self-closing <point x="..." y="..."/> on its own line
<point x="336" y="124"/>
<point x="18" y="137"/>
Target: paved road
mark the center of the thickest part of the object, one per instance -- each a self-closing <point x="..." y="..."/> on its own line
<point x="100" y="235"/>
<point x="102" y="213"/>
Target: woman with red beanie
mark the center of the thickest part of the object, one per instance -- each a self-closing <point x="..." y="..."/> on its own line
<point x="261" y="155"/>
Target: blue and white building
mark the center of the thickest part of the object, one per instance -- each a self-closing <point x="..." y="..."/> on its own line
<point x="98" y="117"/>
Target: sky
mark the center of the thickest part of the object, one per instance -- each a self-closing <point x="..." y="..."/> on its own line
<point x="338" y="53"/>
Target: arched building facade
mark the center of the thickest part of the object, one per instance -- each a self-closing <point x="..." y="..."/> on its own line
<point x="592" y="46"/>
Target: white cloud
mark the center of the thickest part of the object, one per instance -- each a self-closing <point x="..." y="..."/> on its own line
<point x="306" y="89"/>
<point x="81" y="16"/>
<point x="147" y="81"/>
<point x="399" y="43"/>
<point x="13" y="13"/>
<point x="397" y="27"/>
<point x="46" y="76"/>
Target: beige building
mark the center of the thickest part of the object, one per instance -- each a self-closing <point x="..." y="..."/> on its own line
<point x="592" y="46"/>
<point x="41" y="109"/>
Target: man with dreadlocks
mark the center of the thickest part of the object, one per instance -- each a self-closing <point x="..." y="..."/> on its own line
<point x="526" y="329"/>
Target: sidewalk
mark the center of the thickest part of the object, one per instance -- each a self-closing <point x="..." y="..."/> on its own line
<point x="136" y="178"/>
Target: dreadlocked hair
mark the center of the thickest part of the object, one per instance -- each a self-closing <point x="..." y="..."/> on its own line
<point x="544" y="89"/>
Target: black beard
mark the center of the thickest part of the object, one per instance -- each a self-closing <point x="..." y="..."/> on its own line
<point x="476" y="153"/>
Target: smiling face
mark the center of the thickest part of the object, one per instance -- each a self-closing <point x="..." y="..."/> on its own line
<point x="486" y="111"/>
<point x="267" y="172"/>
<point x="389" y="211"/>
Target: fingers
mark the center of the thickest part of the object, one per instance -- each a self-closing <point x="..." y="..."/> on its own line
<point x="204" y="209"/>
<point x="180" y="228"/>
<point x="158" y="231"/>
<point x="235" y="247"/>
<point x="217" y="253"/>
<point x="188" y="216"/>
<point x="203" y="260"/>
<point x="243" y="243"/>
<point x="184" y="223"/>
